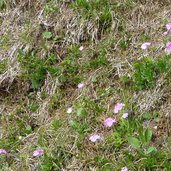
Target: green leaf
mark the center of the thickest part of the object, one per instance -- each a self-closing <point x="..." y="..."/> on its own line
<point x="47" y="35"/>
<point x="94" y="79"/>
<point x="28" y="128"/>
<point x="134" y="142"/>
<point x="2" y="4"/>
<point x="142" y="137"/>
<point x="140" y="132"/>
<point x="148" y="134"/>
<point x="151" y="149"/>
<point x="72" y="123"/>
<point x="80" y="111"/>
<point x="35" y="84"/>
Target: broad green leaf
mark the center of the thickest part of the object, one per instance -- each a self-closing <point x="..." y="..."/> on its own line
<point x="28" y="128"/>
<point x="71" y="122"/>
<point x="148" y="134"/>
<point x="80" y="111"/>
<point x="134" y="142"/>
<point x="94" y="79"/>
<point x="35" y="84"/>
<point x="142" y="137"/>
<point x="140" y="132"/>
<point x="151" y="149"/>
<point x="47" y="35"/>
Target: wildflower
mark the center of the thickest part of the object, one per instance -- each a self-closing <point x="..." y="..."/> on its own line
<point x="145" y="45"/>
<point x="94" y="138"/>
<point x="109" y="122"/>
<point x="69" y="110"/>
<point x="20" y="137"/>
<point x="3" y="151"/>
<point x="118" y="107"/>
<point x="155" y="127"/>
<point x="124" y="169"/>
<point x="168" y="27"/>
<point x="81" y="48"/>
<point x="37" y="152"/>
<point x="168" y="47"/>
<point x="80" y="85"/>
<point x="165" y="33"/>
<point x="125" y="115"/>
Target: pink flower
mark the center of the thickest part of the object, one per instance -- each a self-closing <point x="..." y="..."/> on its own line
<point x="109" y="122"/>
<point x="125" y="115"/>
<point x="168" y="27"/>
<point x="124" y="169"/>
<point x="37" y="152"/>
<point x="81" y="48"/>
<point x="145" y="45"/>
<point x="168" y="47"/>
<point x="118" y="107"/>
<point x="165" y="33"/>
<point x="80" y="85"/>
<point x="94" y="138"/>
<point x="3" y="151"/>
<point x="69" y="110"/>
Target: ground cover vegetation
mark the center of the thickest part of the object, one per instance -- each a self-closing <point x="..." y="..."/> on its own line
<point x="85" y="85"/>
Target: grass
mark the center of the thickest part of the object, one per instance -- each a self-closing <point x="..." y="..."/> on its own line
<point x="41" y="66"/>
<point x="147" y="71"/>
<point x="3" y="66"/>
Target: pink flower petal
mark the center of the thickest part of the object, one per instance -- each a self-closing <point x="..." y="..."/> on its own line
<point x="118" y="107"/>
<point x="80" y="85"/>
<point x="109" y="122"/>
<point x="81" y="48"/>
<point x="125" y="115"/>
<point x="3" y="151"/>
<point x="94" y="138"/>
<point x="165" y="33"/>
<point x="168" y="47"/>
<point x="37" y="152"/>
<point x="124" y="169"/>
<point x="145" y="45"/>
<point x="168" y="27"/>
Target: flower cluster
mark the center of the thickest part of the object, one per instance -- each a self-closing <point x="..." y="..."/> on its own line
<point x="145" y="45"/>
<point x="109" y="122"/>
<point x="35" y="153"/>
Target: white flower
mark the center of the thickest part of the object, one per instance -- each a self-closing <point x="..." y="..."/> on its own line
<point x="94" y="138"/>
<point x="145" y="45"/>
<point x="124" y="169"/>
<point x="69" y="110"/>
<point x="125" y="115"/>
<point x="81" y="48"/>
<point x="80" y="85"/>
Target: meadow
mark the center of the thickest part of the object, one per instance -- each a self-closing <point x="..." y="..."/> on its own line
<point x="85" y="85"/>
